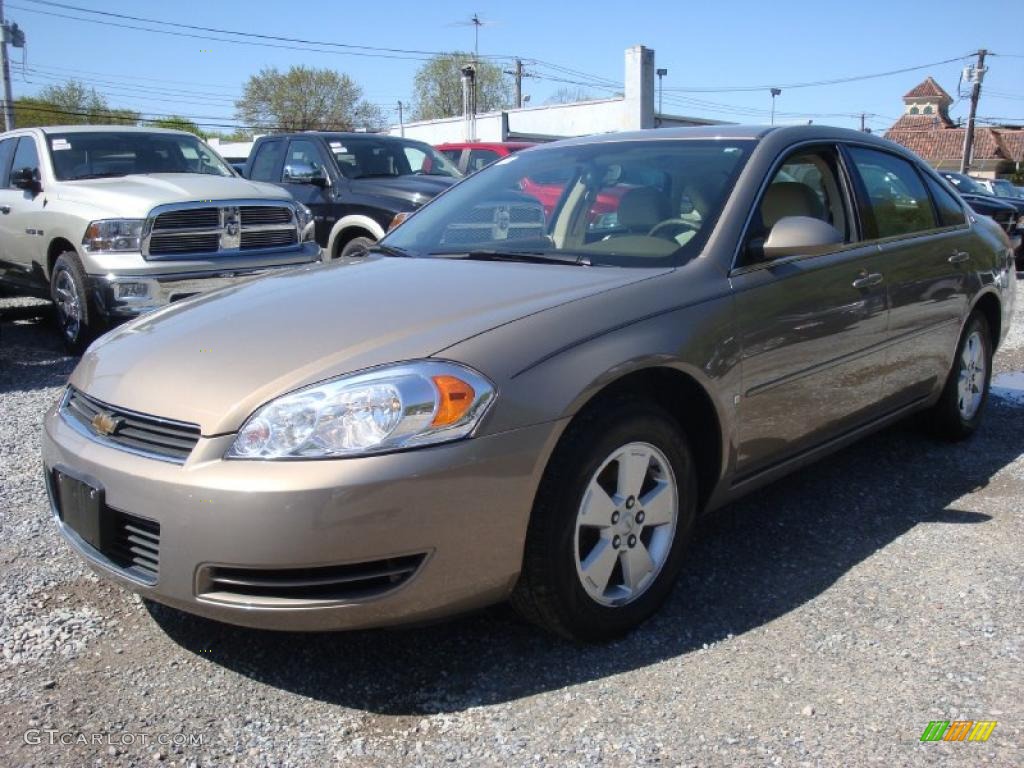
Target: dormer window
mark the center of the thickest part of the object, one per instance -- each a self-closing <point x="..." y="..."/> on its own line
<point x="915" y="111"/>
<point x="928" y="110"/>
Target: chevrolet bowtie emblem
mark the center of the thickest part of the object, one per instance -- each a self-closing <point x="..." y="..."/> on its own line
<point x="105" y="423"/>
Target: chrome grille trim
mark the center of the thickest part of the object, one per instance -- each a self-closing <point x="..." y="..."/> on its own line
<point x="138" y="433"/>
<point x="179" y="230"/>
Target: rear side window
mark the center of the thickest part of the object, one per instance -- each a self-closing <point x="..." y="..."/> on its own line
<point x="479" y="158"/>
<point x="267" y="161"/>
<point x="898" y="203"/>
<point x="951" y="213"/>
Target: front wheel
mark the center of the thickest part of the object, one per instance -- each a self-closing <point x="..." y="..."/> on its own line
<point x="609" y="526"/>
<point x="77" y="320"/>
<point x="357" y="246"/>
<point x="959" y="410"/>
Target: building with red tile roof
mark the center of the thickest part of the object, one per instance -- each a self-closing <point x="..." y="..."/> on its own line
<point x="926" y="128"/>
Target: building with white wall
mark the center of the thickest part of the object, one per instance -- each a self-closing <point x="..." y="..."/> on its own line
<point x="633" y="110"/>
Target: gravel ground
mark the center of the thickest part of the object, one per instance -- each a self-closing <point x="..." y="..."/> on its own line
<point x="825" y="621"/>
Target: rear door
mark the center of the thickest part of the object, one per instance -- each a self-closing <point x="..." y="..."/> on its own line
<point x="812" y="327"/>
<point x="7" y="197"/>
<point x="924" y="240"/>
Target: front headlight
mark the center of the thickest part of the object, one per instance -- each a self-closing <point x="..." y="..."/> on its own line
<point x="113" y="235"/>
<point x="385" y="409"/>
<point x="304" y="221"/>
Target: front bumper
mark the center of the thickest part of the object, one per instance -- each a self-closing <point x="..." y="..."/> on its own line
<point x="463" y="506"/>
<point x="149" y="292"/>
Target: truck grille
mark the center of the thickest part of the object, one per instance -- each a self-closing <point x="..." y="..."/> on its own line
<point x="177" y="232"/>
<point x="354" y="581"/>
<point x="135" y="432"/>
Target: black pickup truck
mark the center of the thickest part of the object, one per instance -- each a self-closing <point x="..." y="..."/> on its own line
<point x="355" y="183"/>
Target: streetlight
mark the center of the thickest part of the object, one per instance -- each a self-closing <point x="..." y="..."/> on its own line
<point x="775" y="92"/>
<point x="660" y="73"/>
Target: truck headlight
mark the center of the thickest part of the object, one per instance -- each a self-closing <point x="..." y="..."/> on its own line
<point x="385" y="409"/>
<point x="304" y="222"/>
<point x="113" y="235"/>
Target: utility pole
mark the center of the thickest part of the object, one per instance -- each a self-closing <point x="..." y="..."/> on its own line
<point x="401" y="121"/>
<point x="9" y="35"/>
<point x="774" y="92"/>
<point x="977" y="76"/>
<point x="518" y="74"/>
<point x="862" y="122"/>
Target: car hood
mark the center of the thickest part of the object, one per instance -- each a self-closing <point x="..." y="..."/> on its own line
<point x="413" y="189"/>
<point x="214" y="359"/>
<point x="135" y="195"/>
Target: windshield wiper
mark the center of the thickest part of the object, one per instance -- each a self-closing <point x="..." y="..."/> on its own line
<point x="107" y="175"/>
<point x="531" y="257"/>
<point x="388" y="250"/>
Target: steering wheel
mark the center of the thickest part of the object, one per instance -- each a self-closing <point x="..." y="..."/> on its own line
<point x="675" y="224"/>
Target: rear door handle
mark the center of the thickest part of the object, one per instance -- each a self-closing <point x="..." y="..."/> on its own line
<point x="959" y="257"/>
<point x="868" y="281"/>
<point x="5" y="209"/>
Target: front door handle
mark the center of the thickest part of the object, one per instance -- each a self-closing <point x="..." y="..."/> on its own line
<point x="959" y="257"/>
<point x="868" y="281"/>
<point x="5" y="209"/>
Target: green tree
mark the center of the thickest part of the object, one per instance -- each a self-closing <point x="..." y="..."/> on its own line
<point x="438" y="87"/>
<point x="178" y="123"/>
<point x="304" y="98"/>
<point x="72" y="103"/>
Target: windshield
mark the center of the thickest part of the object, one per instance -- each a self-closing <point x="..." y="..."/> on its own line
<point x="1004" y="188"/>
<point x="965" y="184"/>
<point x="645" y="203"/>
<point x="108" y="153"/>
<point x="371" y="157"/>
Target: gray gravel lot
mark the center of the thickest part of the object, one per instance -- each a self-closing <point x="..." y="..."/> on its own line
<point x="824" y="621"/>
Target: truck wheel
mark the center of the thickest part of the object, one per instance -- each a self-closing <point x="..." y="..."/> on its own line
<point x="357" y="246"/>
<point x="77" y="319"/>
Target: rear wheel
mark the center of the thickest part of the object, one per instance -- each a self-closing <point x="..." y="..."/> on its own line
<point x="77" y="320"/>
<point x="960" y="408"/>
<point x="609" y="525"/>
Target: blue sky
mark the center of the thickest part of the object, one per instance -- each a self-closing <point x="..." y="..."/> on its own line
<point x="703" y="45"/>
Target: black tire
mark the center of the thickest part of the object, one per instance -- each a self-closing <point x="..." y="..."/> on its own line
<point x="549" y="591"/>
<point x="948" y="420"/>
<point x="76" y="332"/>
<point x="357" y="246"/>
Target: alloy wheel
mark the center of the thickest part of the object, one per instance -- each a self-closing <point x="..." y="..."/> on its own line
<point x="69" y="305"/>
<point x="625" y="524"/>
<point x="971" y="385"/>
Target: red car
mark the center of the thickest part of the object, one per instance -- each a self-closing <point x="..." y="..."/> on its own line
<point x="471" y="156"/>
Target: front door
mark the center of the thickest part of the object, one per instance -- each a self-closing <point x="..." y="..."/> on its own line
<point x="302" y="155"/>
<point x="21" y="220"/>
<point x="812" y="327"/>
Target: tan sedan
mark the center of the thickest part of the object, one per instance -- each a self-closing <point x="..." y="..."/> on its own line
<point x="512" y="397"/>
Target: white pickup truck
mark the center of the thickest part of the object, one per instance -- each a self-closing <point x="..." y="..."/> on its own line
<point x="113" y="221"/>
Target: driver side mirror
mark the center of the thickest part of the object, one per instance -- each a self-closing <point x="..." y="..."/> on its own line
<point x="305" y="173"/>
<point x="26" y="178"/>
<point x="800" y="236"/>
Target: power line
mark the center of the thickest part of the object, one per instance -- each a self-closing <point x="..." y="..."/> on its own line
<point x="815" y="83"/>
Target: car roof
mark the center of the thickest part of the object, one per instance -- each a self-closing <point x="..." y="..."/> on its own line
<point x="486" y="144"/>
<point x="733" y="132"/>
<point x="108" y="129"/>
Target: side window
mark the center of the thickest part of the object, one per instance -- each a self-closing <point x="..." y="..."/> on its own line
<point x="807" y="184"/>
<point x="452" y="154"/>
<point x="951" y="213"/>
<point x="417" y="159"/>
<point x="267" y="160"/>
<point x="897" y="203"/>
<point x="6" y="149"/>
<point x="305" y="152"/>
<point x="480" y="158"/>
<point x="25" y="156"/>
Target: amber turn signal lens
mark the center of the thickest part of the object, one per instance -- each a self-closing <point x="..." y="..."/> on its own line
<point x="398" y="219"/>
<point x="456" y="398"/>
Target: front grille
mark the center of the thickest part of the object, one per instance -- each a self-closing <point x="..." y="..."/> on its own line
<point x="164" y="244"/>
<point x="217" y="230"/>
<point x="267" y="238"/>
<point x="134" y="544"/>
<point x="189" y="218"/>
<point x="355" y="581"/>
<point x="150" y="435"/>
<point x="265" y="214"/>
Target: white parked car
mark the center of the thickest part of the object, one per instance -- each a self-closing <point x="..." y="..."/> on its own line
<point x="113" y="221"/>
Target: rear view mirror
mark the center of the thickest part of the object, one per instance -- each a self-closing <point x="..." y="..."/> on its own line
<point x="304" y="173"/>
<point x="801" y="236"/>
